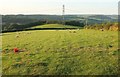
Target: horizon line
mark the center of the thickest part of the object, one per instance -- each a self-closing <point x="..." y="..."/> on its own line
<point x="59" y="14"/>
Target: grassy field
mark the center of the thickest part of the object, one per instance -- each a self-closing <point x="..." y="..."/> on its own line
<point x="60" y="52"/>
<point x="54" y="26"/>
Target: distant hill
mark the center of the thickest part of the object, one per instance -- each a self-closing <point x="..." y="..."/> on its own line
<point x="11" y="22"/>
<point x="54" y="26"/>
<point x="104" y="18"/>
<point x="100" y="17"/>
<point x="23" y="19"/>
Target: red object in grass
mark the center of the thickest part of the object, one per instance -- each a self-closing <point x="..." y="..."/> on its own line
<point x="16" y="50"/>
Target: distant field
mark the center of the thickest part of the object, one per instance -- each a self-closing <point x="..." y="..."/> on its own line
<point x="62" y="52"/>
<point x="54" y="26"/>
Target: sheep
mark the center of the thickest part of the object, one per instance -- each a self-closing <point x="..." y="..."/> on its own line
<point x="74" y="31"/>
<point x="102" y="29"/>
<point x="28" y="32"/>
<point x="17" y="36"/>
<point x="70" y="31"/>
<point x="18" y="33"/>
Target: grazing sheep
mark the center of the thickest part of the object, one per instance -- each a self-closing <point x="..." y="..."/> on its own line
<point x="28" y="32"/>
<point x="17" y="36"/>
<point x="70" y="31"/>
<point x="18" y="33"/>
<point x="74" y="31"/>
<point x="102" y="29"/>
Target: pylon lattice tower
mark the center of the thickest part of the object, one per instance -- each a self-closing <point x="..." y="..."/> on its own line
<point x="63" y="14"/>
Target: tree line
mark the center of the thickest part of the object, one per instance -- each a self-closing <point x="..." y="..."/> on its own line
<point x="103" y="26"/>
<point x="18" y="26"/>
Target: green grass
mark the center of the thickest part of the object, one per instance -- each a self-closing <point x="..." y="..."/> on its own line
<point x="54" y="26"/>
<point x="63" y="52"/>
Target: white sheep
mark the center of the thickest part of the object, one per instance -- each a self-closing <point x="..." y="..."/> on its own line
<point x="102" y="29"/>
<point x="17" y="36"/>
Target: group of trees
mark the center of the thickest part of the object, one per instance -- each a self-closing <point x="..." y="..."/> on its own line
<point x="75" y="23"/>
<point x="70" y="22"/>
<point x="17" y="26"/>
<point x="104" y="26"/>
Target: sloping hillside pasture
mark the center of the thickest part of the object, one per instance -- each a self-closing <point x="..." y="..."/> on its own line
<point x="60" y="52"/>
<point x="54" y="26"/>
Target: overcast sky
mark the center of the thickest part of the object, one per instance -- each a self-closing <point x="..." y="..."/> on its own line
<point x="55" y="6"/>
